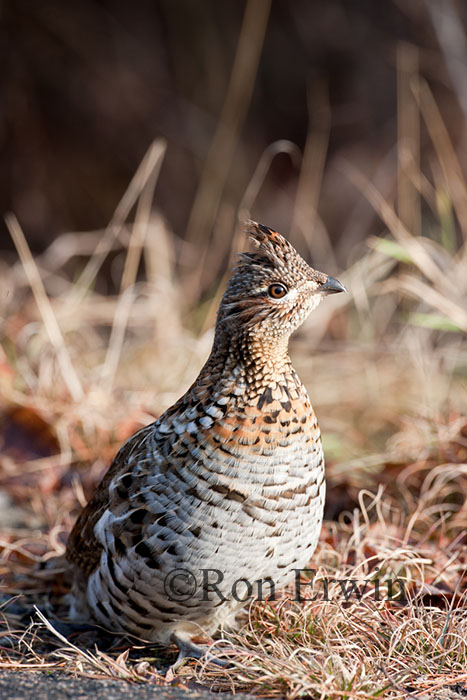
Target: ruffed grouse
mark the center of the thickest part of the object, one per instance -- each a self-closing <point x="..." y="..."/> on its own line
<point x="227" y="484"/>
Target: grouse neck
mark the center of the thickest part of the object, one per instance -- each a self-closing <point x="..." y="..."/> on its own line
<point x="248" y="355"/>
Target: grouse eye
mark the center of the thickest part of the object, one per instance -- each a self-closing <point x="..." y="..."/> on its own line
<point x="277" y="291"/>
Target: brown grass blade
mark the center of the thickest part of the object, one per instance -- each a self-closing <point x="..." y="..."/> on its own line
<point x="239" y="91"/>
<point x="68" y="372"/>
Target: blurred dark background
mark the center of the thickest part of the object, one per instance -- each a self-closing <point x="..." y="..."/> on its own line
<point x="86" y="86"/>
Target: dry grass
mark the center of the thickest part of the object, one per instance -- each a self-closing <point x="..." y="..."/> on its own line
<point x="81" y="370"/>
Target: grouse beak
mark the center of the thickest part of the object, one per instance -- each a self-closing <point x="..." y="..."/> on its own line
<point x="331" y="286"/>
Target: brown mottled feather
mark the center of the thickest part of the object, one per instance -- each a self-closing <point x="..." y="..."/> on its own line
<point x="83" y="549"/>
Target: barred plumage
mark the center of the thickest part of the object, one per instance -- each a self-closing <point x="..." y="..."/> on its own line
<point x="230" y="478"/>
